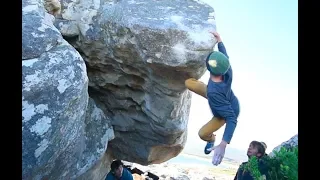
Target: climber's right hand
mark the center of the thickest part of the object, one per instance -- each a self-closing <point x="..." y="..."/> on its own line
<point x="216" y="35"/>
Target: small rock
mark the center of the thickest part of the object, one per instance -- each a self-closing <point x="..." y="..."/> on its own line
<point x="205" y="178"/>
<point x="180" y="177"/>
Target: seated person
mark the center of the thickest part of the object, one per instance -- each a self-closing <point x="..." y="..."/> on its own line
<point x="257" y="149"/>
<point x="118" y="172"/>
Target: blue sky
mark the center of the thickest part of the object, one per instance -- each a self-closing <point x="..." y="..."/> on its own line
<point x="261" y="38"/>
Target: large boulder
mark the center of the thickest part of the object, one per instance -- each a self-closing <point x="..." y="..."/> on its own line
<point x="63" y="132"/>
<point x="131" y="58"/>
<point x="138" y="55"/>
<point x="289" y="144"/>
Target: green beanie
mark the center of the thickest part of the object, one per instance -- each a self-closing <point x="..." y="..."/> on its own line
<point x="217" y="63"/>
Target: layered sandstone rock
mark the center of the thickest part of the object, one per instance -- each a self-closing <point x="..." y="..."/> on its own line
<point x="108" y="75"/>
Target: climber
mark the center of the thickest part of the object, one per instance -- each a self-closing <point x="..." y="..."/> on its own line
<point x="257" y="149"/>
<point x="222" y="101"/>
<point x="118" y="171"/>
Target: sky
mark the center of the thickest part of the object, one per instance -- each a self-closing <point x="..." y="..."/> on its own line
<point x="261" y="38"/>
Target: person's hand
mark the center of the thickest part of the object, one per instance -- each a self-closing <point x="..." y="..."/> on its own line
<point x="218" y="153"/>
<point x="216" y="35"/>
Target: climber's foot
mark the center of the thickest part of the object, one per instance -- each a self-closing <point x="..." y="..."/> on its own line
<point x="208" y="146"/>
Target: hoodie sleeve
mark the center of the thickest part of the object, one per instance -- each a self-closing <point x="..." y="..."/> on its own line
<point x="229" y="74"/>
<point x="222" y="49"/>
<point x="223" y="109"/>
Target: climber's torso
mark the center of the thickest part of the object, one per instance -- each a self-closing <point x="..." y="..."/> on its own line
<point x="222" y="89"/>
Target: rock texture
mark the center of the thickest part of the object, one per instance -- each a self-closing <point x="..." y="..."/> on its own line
<point x="108" y="75"/>
<point x="63" y="132"/>
<point x="292" y="142"/>
<point x="138" y="55"/>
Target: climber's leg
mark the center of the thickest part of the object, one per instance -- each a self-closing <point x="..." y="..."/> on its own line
<point x="197" y="87"/>
<point x="206" y="132"/>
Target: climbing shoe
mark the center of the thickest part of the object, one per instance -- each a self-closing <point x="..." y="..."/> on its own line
<point x="208" y="146"/>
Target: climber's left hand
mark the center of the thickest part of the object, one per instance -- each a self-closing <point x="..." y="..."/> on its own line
<point x="218" y="153"/>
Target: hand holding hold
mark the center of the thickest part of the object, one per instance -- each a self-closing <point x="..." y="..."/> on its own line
<point x="216" y="35"/>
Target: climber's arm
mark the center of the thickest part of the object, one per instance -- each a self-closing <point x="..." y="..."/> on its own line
<point x="229" y="74"/>
<point x="223" y="109"/>
<point x="222" y="48"/>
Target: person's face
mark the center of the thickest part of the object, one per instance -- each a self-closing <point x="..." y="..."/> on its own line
<point x="252" y="151"/>
<point x="118" y="172"/>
